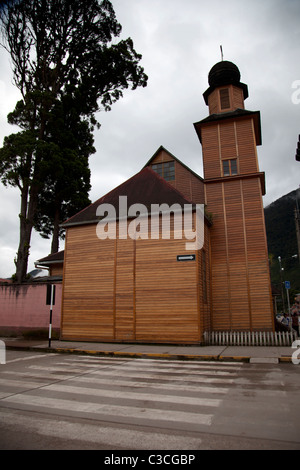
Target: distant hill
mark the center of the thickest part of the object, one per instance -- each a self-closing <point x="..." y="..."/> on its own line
<point x="282" y="239"/>
<point x="280" y="226"/>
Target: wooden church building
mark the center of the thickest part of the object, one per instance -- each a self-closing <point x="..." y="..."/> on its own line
<point x="140" y="289"/>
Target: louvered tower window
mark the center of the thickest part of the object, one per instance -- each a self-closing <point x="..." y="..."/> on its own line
<point x="224" y="98"/>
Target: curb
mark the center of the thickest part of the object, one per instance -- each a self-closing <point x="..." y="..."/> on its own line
<point x="141" y="355"/>
<point x="235" y="358"/>
<point x="178" y="357"/>
<point x="284" y="359"/>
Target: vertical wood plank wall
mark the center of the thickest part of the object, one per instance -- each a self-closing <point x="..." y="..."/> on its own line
<point x="241" y="295"/>
<point x="130" y="290"/>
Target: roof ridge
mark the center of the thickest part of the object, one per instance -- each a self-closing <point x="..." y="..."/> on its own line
<point x="145" y="187"/>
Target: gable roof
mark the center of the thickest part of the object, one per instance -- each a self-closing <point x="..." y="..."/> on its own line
<point x="53" y="258"/>
<point x="160" y="149"/>
<point x="146" y="187"/>
<point x="240" y="113"/>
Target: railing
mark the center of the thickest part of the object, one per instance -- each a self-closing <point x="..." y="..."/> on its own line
<point x="250" y="338"/>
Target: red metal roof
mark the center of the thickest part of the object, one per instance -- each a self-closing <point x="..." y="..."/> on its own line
<point x="146" y="187"/>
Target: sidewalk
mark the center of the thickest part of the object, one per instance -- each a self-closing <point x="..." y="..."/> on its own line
<point x="252" y="354"/>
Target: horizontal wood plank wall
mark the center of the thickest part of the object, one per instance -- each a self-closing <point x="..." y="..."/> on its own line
<point x="220" y="280"/>
<point x="166" y="293"/>
<point x="240" y="315"/>
<point x="241" y="297"/>
<point x="88" y="295"/>
<point x="236" y="99"/>
<point x="56" y="269"/>
<point x="246" y="147"/>
<point x="188" y="184"/>
<point x="204" y="298"/>
<point x="227" y="140"/>
<point x="211" y="150"/>
<point x="258" y="264"/>
<point x="128" y="290"/>
<point x="125" y="272"/>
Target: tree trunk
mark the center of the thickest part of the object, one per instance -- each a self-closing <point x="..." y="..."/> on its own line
<point x="23" y="250"/>
<point x="55" y="235"/>
<point x="26" y="225"/>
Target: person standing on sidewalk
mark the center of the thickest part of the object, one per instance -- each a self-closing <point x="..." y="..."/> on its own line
<point x="295" y="312"/>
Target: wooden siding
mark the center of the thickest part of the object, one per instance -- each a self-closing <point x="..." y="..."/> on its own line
<point x="240" y="281"/>
<point x="246" y="146"/>
<point x="241" y="297"/>
<point x="130" y="290"/>
<point x="226" y="140"/>
<point x="56" y="269"/>
<point x="205" y="303"/>
<point x="211" y="151"/>
<point x="236" y="98"/>
<point x="166" y="293"/>
<point x="185" y="181"/>
<point x="88" y="285"/>
<point x="124" y="290"/>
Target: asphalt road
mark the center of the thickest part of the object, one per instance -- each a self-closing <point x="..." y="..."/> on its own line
<point x="63" y="401"/>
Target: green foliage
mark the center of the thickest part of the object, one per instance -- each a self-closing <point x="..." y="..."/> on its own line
<point x="67" y="66"/>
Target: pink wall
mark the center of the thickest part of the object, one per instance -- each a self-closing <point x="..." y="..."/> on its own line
<point x="24" y="306"/>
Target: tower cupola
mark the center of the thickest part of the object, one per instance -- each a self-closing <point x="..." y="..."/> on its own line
<point x="225" y="92"/>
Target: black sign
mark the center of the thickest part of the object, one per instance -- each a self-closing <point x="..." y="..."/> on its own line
<point x="48" y="297"/>
<point x="186" y="257"/>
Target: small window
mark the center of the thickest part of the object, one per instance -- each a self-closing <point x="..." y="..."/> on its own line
<point x="226" y="168"/>
<point x="230" y="167"/>
<point x="224" y="98"/>
<point x="233" y="167"/>
<point x="166" y="170"/>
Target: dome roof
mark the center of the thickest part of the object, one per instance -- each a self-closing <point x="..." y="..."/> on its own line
<point x="223" y="73"/>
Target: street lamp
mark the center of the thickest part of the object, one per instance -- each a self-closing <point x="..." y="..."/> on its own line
<point x="282" y="280"/>
<point x="281" y="283"/>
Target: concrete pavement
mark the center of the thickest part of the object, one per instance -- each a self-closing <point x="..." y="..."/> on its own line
<point x="252" y="354"/>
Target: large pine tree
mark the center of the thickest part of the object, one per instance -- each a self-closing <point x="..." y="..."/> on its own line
<point x="67" y="67"/>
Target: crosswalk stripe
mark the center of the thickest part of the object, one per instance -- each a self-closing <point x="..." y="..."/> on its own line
<point x="184" y="400"/>
<point x="150" y="414"/>
<point x="99" y="360"/>
<point x="129" y="382"/>
<point x="158" y="375"/>
<point x="29" y="358"/>
<point x="199" y="376"/>
<point x="17" y="379"/>
<point x="173" y="370"/>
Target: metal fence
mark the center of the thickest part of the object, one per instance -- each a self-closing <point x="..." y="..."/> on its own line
<point x="250" y="338"/>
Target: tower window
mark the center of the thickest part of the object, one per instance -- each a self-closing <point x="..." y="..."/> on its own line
<point x="224" y="98"/>
<point x="230" y="167"/>
<point x="166" y="170"/>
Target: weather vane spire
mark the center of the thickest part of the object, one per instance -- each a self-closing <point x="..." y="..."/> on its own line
<point x="221" y="48"/>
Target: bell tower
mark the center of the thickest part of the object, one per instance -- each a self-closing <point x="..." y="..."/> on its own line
<point x="234" y="186"/>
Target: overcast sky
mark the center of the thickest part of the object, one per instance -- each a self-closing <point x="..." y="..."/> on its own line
<point x="180" y="42"/>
